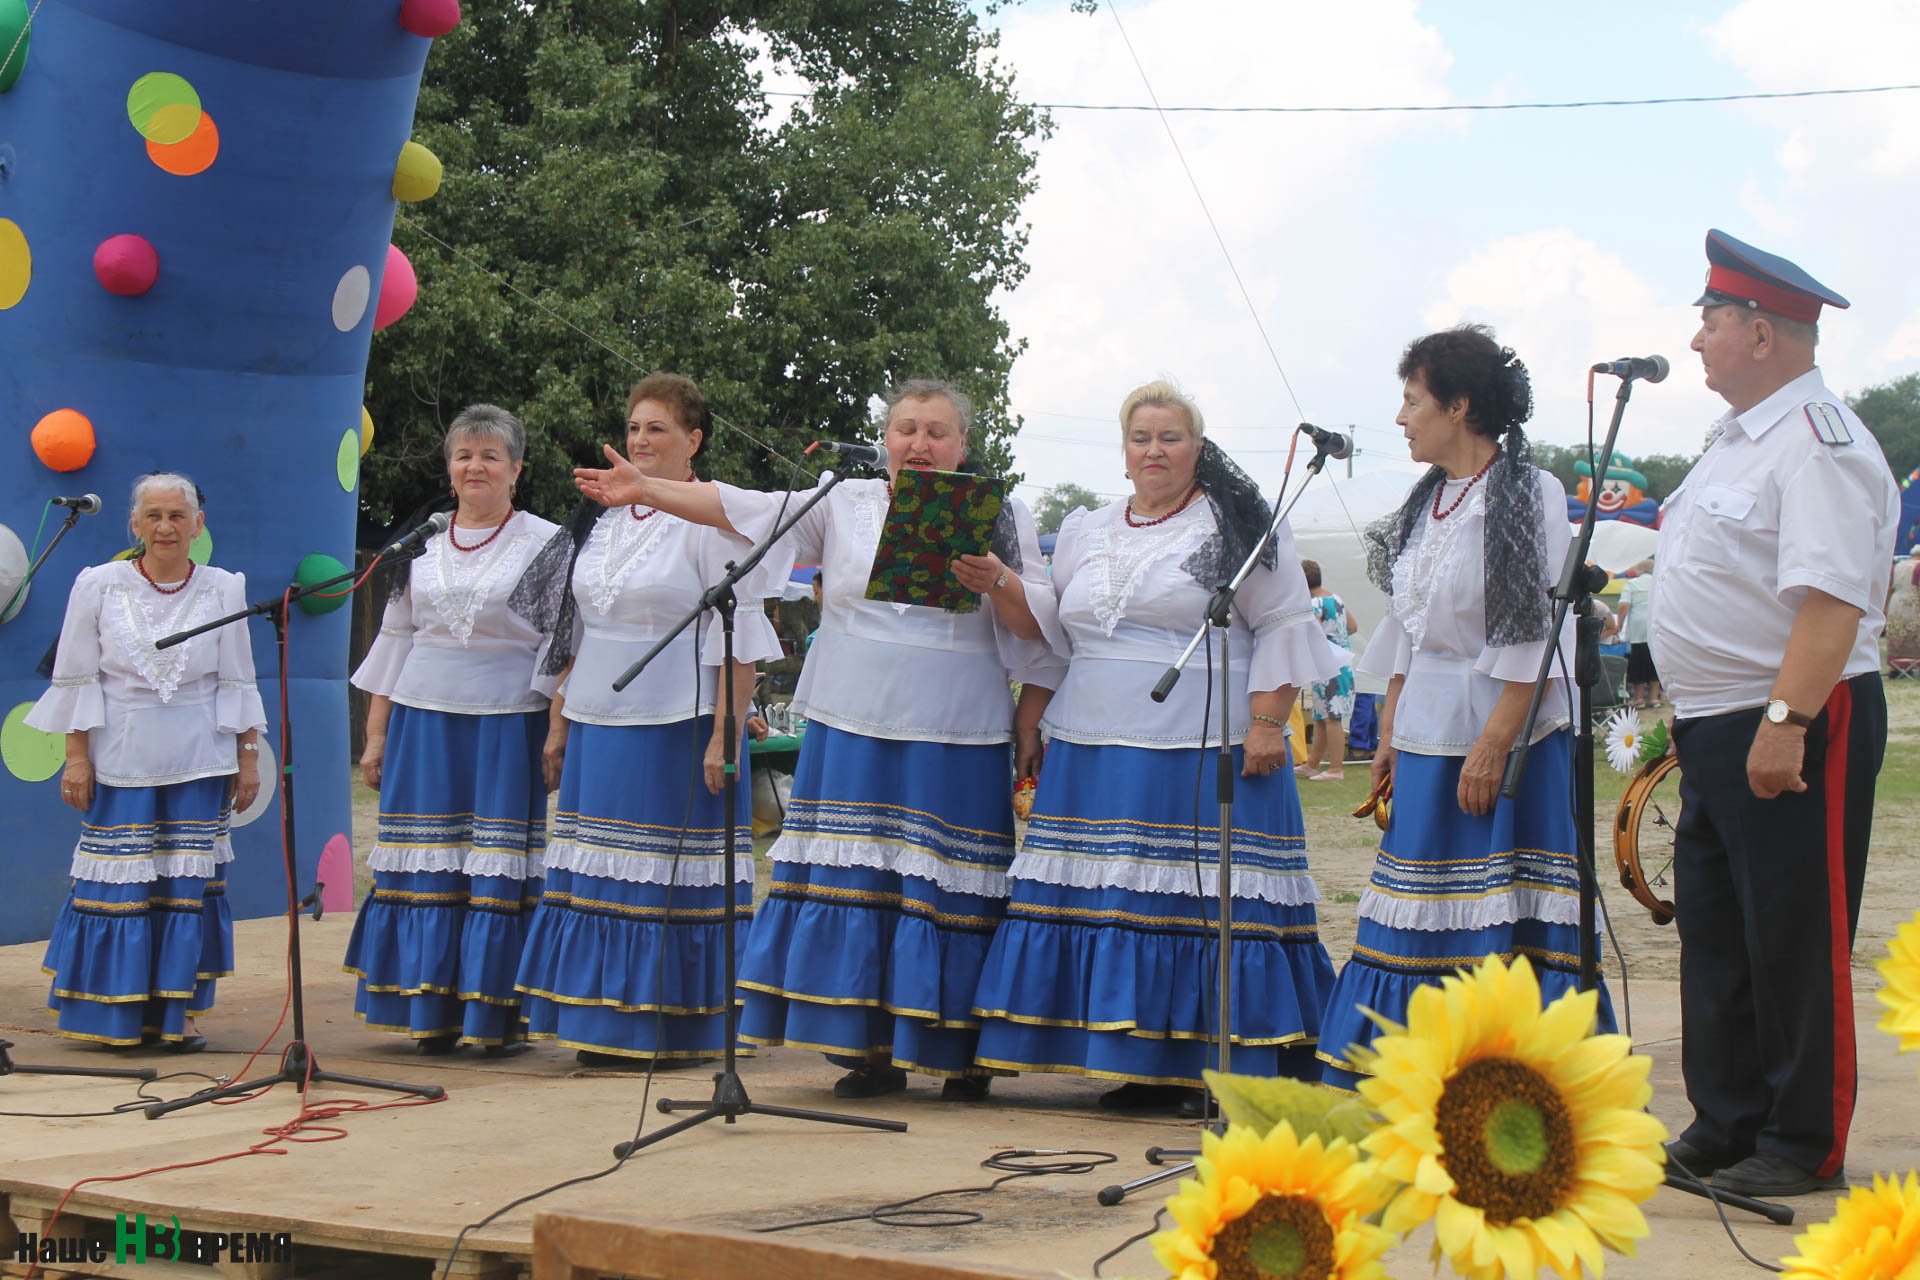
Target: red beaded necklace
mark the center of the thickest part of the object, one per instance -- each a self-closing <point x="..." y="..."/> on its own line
<point x="1185" y="502"/>
<point x="1438" y="514"/>
<point x="140" y="563"/>
<point x="633" y="508"/>
<point x="502" y="528"/>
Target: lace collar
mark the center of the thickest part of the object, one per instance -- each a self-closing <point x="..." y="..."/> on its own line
<point x="141" y="616"/>
<point x="459" y="582"/>
<point x="615" y="548"/>
<point x="1119" y="556"/>
<point x="1429" y="550"/>
<point x="870" y="503"/>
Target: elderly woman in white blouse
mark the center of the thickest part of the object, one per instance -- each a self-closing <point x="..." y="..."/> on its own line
<point x="1106" y="963"/>
<point x="162" y="746"/>
<point x="625" y="960"/>
<point x="890" y="873"/>
<point x="1467" y="562"/>
<point x="454" y="737"/>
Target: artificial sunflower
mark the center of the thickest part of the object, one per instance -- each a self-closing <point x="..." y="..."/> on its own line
<point x="1515" y="1128"/>
<point x="1874" y="1234"/>
<point x="1901" y="995"/>
<point x="1276" y="1208"/>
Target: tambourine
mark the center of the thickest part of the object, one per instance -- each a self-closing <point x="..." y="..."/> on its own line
<point x="1644" y="866"/>
<point x="1379" y="803"/>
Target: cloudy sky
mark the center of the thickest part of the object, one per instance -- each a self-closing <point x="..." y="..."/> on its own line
<point x="1576" y="234"/>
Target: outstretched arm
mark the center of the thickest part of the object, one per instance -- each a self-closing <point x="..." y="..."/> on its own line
<point x="620" y="483"/>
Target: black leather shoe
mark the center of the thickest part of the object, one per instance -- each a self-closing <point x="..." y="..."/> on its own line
<point x="966" y="1089"/>
<point x="506" y="1049"/>
<point x="1701" y="1164"/>
<point x="1193" y="1106"/>
<point x="439" y="1046"/>
<point x="186" y="1044"/>
<point x="1768" y="1177"/>
<point x="871" y="1080"/>
<point x="1134" y="1096"/>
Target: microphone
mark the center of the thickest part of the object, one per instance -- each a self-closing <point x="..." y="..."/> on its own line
<point x="1646" y="368"/>
<point x="87" y="504"/>
<point x="417" y="537"/>
<point x="1332" y="443"/>
<point x="868" y="455"/>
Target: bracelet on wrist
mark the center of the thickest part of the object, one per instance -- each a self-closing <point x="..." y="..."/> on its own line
<point x="1275" y="721"/>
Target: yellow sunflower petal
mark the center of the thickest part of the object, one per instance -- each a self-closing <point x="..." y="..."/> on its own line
<point x="1514" y="1244"/>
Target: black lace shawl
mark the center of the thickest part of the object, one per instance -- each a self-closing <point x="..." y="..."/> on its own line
<point x="1240" y="513"/>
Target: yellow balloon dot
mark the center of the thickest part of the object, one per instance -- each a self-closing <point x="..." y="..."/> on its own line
<point x="163" y="107"/>
<point x="416" y="175"/>
<point x="366" y="430"/>
<point x="16" y="264"/>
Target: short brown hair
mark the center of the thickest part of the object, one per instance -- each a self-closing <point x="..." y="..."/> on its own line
<point x="1311" y="568"/>
<point x="680" y="394"/>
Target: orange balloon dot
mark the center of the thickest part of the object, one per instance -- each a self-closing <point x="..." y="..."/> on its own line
<point x="64" y="440"/>
<point x="191" y="156"/>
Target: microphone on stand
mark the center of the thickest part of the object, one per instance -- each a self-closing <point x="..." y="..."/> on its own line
<point x="87" y="504"/>
<point x="416" y="538"/>
<point x="867" y="455"/>
<point x="1645" y="368"/>
<point x="1332" y="443"/>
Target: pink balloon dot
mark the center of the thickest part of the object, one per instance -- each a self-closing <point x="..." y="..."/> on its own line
<point x="398" y="288"/>
<point x="127" y="265"/>
<point x="430" y="18"/>
<point x="336" y="874"/>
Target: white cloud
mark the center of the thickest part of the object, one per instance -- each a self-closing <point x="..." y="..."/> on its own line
<point x="1904" y="346"/>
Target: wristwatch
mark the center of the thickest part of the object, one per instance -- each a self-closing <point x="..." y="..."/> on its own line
<point x="1780" y="713"/>
<point x="1000" y="581"/>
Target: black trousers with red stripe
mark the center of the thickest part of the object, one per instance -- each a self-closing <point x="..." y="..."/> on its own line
<point x="1768" y="893"/>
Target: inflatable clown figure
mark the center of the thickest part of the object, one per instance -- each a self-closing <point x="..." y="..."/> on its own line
<point x="196" y="204"/>
<point x="1620" y="495"/>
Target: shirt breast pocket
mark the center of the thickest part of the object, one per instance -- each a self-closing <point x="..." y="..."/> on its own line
<point x="1721" y="522"/>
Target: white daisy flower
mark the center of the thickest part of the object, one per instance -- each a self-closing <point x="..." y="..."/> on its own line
<point x="1623" y="740"/>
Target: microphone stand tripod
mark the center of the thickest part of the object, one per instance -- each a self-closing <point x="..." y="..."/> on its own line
<point x="1578" y="581"/>
<point x="730" y="1100"/>
<point x="8" y="1067"/>
<point x="297" y="1064"/>
<point x="1219" y="610"/>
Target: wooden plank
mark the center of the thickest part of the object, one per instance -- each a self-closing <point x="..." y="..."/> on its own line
<point x="572" y="1246"/>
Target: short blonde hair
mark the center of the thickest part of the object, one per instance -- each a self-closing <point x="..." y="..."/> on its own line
<point x="1163" y="394"/>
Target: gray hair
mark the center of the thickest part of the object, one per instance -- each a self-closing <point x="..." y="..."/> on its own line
<point x="488" y="422"/>
<point x="1162" y="393"/>
<point x="166" y="481"/>
<point x="922" y="388"/>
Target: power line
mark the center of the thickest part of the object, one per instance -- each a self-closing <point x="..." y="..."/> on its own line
<point x="1408" y="108"/>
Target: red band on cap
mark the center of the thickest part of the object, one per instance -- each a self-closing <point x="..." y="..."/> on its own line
<point x="1771" y="297"/>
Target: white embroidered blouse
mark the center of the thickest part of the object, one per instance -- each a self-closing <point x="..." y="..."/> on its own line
<point x="1127" y="609"/>
<point x="449" y="642"/>
<point x="633" y="581"/>
<point x="1435" y="629"/>
<point x="888" y="670"/>
<point x="153" y="716"/>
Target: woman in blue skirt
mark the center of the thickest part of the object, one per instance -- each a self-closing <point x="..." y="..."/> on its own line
<point x="1107" y="963"/>
<point x="162" y="746"/>
<point x="1467" y="561"/>
<point x="890" y="873"/>
<point x="624" y="962"/>
<point x="454" y="735"/>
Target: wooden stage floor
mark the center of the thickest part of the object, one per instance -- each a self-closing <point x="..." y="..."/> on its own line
<point x="404" y="1182"/>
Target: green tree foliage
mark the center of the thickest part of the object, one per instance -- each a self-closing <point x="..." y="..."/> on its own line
<point x="1057" y="503"/>
<point x="1891" y="411"/>
<point x="614" y="163"/>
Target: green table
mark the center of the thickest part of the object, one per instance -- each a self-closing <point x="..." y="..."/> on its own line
<point x="779" y="752"/>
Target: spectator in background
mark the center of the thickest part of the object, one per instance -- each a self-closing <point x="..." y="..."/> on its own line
<point x="1332" y="699"/>
<point x="1636" y="628"/>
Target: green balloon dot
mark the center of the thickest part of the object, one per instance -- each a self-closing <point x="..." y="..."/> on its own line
<point x="163" y="107"/>
<point x="200" y="550"/>
<point x="1516" y="1137"/>
<point x="318" y="568"/>
<point x="347" y="461"/>
<point x="31" y="754"/>
<point x="15" y="36"/>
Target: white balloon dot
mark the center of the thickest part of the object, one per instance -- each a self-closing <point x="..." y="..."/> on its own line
<point x="350" y="298"/>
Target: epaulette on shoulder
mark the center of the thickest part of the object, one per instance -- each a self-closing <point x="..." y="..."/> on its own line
<point x="1829" y="425"/>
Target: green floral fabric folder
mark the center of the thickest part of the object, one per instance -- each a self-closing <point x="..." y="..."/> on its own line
<point x="936" y="517"/>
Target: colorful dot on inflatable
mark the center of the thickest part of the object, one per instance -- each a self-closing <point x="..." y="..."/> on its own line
<point x="193" y="154"/>
<point x="350" y="298"/>
<point x="15" y="36"/>
<point x="430" y="18"/>
<point x="398" y="288"/>
<point x="366" y="430"/>
<point x="16" y="263"/>
<point x="316" y="568"/>
<point x="31" y="755"/>
<point x="416" y="174"/>
<point x="200" y="550"/>
<point x="127" y="265"/>
<point x="163" y="108"/>
<point x="347" y="461"/>
<point x="64" y="440"/>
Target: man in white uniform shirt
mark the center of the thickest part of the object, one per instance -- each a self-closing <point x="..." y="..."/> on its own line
<point x="1772" y="568"/>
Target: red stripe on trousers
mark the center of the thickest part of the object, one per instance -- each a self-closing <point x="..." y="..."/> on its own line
<point x="1839" y="718"/>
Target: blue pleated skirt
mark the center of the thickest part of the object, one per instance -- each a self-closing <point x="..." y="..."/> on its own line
<point x="627" y="953"/>
<point x="888" y="880"/>
<point x="138" y="955"/>
<point x="456" y="875"/>
<point x="1107" y="964"/>
<point x="1450" y="889"/>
